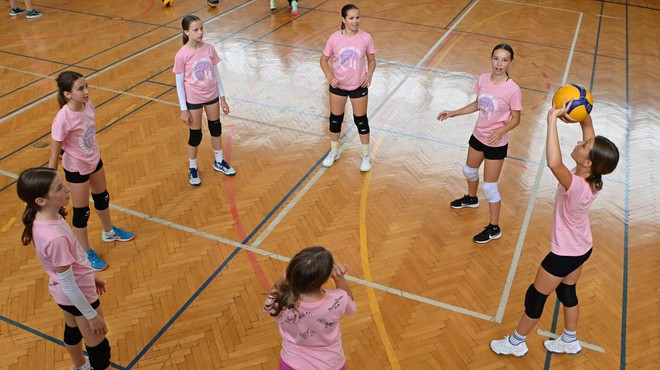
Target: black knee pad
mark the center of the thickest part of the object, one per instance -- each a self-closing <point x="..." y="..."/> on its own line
<point x="99" y="356"/>
<point x="80" y="217"/>
<point x="72" y="336"/>
<point x="567" y="295"/>
<point x="534" y="302"/>
<point x="195" y="137"/>
<point x="215" y="128"/>
<point x="101" y="201"/>
<point x="335" y="123"/>
<point x="362" y="123"/>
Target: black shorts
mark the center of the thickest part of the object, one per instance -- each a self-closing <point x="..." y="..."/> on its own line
<point x="360" y="92"/>
<point x="192" y="106"/>
<point x="76" y="312"/>
<point x="490" y="152"/>
<point x="561" y="266"/>
<point x="77" y="178"/>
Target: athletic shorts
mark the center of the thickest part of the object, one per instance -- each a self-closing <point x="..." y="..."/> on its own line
<point x="360" y="92"/>
<point x="75" y="312"/>
<point x="490" y="152"/>
<point x="192" y="106"/>
<point x="77" y="178"/>
<point x="561" y="266"/>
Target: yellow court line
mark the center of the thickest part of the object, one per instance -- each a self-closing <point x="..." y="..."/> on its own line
<point x="8" y="225"/>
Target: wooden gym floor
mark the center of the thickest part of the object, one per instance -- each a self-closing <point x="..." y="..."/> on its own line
<point x="187" y="293"/>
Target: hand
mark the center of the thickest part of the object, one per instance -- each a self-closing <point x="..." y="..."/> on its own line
<point x="97" y="324"/>
<point x="225" y="106"/>
<point x="101" y="286"/>
<point x="366" y="81"/>
<point x="561" y="112"/>
<point x="334" y="82"/>
<point x="444" y="115"/>
<point x="496" y="136"/>
<point x="186" y="117"/>
<point x="338" y="271"/>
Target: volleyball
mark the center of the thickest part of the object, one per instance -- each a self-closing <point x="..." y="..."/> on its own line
<point x="582" y="100"/>
<point x="168" y="2"/>
<point x="213" y="3"/>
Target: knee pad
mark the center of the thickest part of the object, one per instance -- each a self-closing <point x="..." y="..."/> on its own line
<point x="362" y="123"/>
<point x="195" y="137"/>
<point x="491" y="192"/>
<point x="80" y="217"/>
<point x="215" y="128"/>
<point x="335" y="123"/>
<point x="534" y="302"/>
<point x="99" y="355"/>
<point x="72" y="336"/>
<point x="472" y="174"/>
<point x="101" y="201"/>
<point x="567" y="295"/>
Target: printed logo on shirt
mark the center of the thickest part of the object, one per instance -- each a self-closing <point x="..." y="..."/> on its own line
<point x="201" y="70"/>
<point x="487" y="105"/>
<point x="87" y="139"/>
<point x="349" y="57"/>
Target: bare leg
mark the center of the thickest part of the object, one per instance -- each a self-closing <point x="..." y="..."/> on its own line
<point x="545" y="283"/>
<point x="474" y="160"/>
<point x="75" y="351"/>
<point x="98" y="185"/>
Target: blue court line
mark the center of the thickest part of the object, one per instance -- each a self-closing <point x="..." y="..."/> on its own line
<point x="626" y="211"/>
<point x="42" y="335"/>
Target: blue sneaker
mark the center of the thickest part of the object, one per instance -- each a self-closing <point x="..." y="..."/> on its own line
<point x="118" y="234"/>
<point x="193" y="177"/>
<point x="224" y="167"/>
<point x="95" y="261"/>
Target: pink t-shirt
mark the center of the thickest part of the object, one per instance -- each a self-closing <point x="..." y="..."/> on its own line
<point x="77" y="133"/>
<point x="197" y="68"/>
<point x="349" y="62"/>
<point x="495" y="105"/>
<point x="571" y="231"/>
<point x="56" y="246"/>
<point x="311" y="336"/>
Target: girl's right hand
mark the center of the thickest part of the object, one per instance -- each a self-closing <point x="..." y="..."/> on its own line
<point x="338" y="271"/>
<point x="334" y="82"/>
<point x="444" y="115"/>
<point x="186" y="117"/>
<point x="561" y="112"/>
<point x="97" y="324"/>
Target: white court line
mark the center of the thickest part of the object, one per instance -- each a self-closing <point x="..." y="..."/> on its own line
<point x="583" y="344"/>
<point x="8" y="174"/>
<point x="532" y="200"/>
<point x="111" y="66"/>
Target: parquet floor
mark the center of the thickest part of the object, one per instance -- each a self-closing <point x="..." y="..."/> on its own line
<point x="187" y="293"/>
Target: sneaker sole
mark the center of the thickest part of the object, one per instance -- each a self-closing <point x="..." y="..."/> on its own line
<point x="103" y="269"/>
<point x="223" y="172"/>
<point x="491" y="238"/>
<point x="119" y="240"/>
<point x="465" y="206"/>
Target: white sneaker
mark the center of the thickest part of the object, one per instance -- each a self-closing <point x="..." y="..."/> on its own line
<point x="86" y="366"/>
<point x="504" y="347"/>
<point x="559" y="346"/>
<point x="273" y="5"/>
<point x="366" y="163"/>
<point x="330" y="159"/>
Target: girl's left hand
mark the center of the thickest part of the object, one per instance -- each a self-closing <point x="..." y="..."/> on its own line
<point x="338" y="271"/>
<point x="101" y="285"/>
<point x="225" y="107"/>
<point x="496" y="136"/>
<point x="366" y="81"/>
<point x="561" y="112"/>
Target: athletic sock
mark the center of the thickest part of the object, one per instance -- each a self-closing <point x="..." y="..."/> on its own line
<point x="334" y="146"/>
<point x="516" y="338"/>
<point x="568" y="336"/>
<point x="218" y="155"/>
<point x="193" y="163"/>
<point x="365" y="149"/>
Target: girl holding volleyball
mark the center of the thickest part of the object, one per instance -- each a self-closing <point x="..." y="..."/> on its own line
<point x="499" y="103"/>
<point x="74" y="131"/>
<point x="72" y="284"/>
<point x="572" y="242"/>
<point x="198" y="85"/>
<point x="351" y="52"/>
<point x="308" y="315"/>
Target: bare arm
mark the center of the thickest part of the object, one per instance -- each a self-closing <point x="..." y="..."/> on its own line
<point x="587" y="128"/>
<point x="55" y="149"/>
<point x="470" y="108"/>
<point x="553" y="149"/>
<point x="513" y="122"/>
<point x="371" y="67"/>
<point x="338" y="272"/>
<point x="325" y="66"/>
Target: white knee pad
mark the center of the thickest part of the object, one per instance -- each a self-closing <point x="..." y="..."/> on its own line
<point x="470" y="173"/>
<point x="491" y="192"/>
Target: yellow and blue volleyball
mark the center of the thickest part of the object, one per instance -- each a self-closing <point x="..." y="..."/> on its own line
<point x="213" y="3"/>
<point x="168" y="2"/>
<point x="582" y="103"/>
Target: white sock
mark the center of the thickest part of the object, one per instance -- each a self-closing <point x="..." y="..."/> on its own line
<point x="516" y="338"/>
<point x="568" y="336"/>
<point x="218" y="155"/>
<point x="193" y="163"/>
<point x="334" y="146"/>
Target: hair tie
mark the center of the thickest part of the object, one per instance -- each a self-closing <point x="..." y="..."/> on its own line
<point x="596" y="177"/>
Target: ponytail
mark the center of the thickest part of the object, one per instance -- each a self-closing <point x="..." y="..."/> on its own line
<point x="65" y="82"/>
<point x="284" y="298"/>
<point x="604" y="156"/>
<point x="34" y="183"/>
<point x="28" y="219"/>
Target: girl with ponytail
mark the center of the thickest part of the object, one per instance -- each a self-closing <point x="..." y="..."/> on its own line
<point x="308" y="315"/>
<point x="72" y="284"/>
